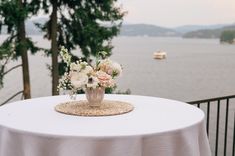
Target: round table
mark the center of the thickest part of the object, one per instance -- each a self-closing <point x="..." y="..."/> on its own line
<point x="156" y="127"/>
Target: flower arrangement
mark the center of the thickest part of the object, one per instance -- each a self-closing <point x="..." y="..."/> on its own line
<point x="81" y="75"/>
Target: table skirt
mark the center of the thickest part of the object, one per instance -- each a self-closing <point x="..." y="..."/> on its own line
<point x="190" y="141"/>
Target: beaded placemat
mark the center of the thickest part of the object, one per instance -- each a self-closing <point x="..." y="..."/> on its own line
<point x="81" y="108"/>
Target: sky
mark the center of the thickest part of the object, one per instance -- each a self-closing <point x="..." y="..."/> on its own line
<point x="173" y="13"/>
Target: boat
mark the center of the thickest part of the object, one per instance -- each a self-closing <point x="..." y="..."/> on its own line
<point x="159" y="55"/>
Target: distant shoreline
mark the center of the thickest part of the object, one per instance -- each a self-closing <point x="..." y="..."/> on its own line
<point x="188" y="31"/>
<point x="2" y="36"/>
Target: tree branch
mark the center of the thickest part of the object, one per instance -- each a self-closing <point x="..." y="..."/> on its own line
<point x="6" y="61"/>
<point x="11" y="97"/>
<point x="19" y="65"/>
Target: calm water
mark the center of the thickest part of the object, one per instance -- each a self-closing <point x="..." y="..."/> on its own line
<point x="194" y="68"/>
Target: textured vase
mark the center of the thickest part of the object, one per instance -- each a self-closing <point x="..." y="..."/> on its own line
<point x="95" y="96"/>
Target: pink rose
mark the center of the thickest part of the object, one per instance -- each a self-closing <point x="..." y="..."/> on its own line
<point x="105" y="80"/>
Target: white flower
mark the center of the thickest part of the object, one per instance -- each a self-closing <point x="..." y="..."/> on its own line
<point x="83" y="75"/>
<point x="87" y="70"/>
<point x="78" y="80"/>
<point x="117" y="69"/>
<point x="104" y="64"/>
<point x="64" y="81"/>
<point x="75" y="67"/>
<point x="65" y="55"/>
<point x="93" y="82"/>
<point x="110" y="67"/>
<point x="83" y="65"/>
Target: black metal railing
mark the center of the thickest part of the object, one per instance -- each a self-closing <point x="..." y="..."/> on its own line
<point x="220" y="123"/>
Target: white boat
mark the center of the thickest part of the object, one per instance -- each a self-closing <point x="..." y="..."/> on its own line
<point x="159" y="55"/>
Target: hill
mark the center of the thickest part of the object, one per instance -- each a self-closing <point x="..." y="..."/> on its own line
<point x="188" y="28"/>
<point x="146" y="30"/>
<point x="187" y="31"/>
<point x="126" y="29"/>
<point x="208" y="33"/>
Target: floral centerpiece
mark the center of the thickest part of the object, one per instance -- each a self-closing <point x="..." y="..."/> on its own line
<point x="92" y="79"/>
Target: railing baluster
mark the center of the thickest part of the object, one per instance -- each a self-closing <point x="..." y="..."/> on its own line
<point x="217" y="128"/>
<point x="223" y="151"/>
<point x="226" y="127"/>
<point x="208" y="118"/>
<point x="199" y="105"/>
<point x="234" y="136"/>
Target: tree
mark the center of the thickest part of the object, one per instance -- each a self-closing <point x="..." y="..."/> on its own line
<point x="87" y="24"/>
<point x="91" y="25"/>
<point x="13" y="14"/>
<point x="228" y="36"/>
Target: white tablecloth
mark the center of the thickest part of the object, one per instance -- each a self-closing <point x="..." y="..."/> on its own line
<point x="156" y="127"/>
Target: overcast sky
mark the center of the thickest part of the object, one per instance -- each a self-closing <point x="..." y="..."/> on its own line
<point x="171" y="13"/>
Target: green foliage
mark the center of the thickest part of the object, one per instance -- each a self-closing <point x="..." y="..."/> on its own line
<point x="11" y="15"/>
<point x="228" y="36"/>
<point x="208" y="33"/>
<point x="89" y="24"/>
<point x="113" y="91"/>
<point x="6" y="49"/>
<point x="5" y="54"/>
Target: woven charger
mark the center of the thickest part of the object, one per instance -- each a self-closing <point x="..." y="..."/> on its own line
<point x="81" y="108"/>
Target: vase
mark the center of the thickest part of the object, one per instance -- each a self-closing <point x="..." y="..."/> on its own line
<point x="95" y="96"/>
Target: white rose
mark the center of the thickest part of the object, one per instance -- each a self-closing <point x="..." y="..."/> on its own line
<point x="87" y="70"/>
<point x="83" y="65"/>
<point x="78" y="80"/>
<point x="110" y="67"/>
<point x="75" y="67"/>
<point x="117" y="69"/>
<point x="105" y="65"/>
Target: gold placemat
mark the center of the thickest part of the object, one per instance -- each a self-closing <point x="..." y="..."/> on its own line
<point x="81" y="108"/>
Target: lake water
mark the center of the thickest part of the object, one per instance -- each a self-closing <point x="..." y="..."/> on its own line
<point x="194" y="69"/>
